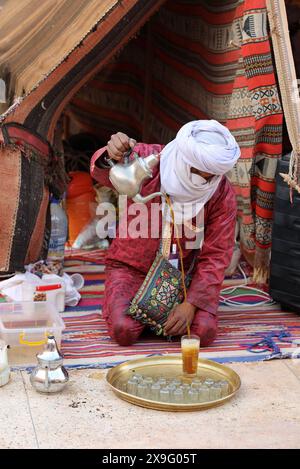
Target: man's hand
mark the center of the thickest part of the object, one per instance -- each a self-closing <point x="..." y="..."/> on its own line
<point x="177" y="321"/>
<point x="118" y="144"/>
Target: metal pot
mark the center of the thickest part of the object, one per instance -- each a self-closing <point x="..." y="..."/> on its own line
<point x="49" y="376"/>
<point x="128" y="177"/>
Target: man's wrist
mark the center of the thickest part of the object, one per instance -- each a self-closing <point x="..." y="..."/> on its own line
<point x="191" y="307"/>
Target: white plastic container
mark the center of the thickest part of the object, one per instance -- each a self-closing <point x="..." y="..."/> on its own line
<point x="28" y="323"/>
<point x="51" y="292"/>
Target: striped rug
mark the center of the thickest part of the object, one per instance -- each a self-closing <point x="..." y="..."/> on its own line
<point x="86" y="342"/>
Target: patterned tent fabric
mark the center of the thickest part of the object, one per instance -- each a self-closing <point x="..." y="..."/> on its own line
<point x="110" y="24"/>
<point x="37" y="35"/>
<point x="24" y="198"/>
<point x="49" y="50"/>
<point x="199" y="59"/>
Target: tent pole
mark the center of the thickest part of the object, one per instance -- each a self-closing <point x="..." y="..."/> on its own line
<point x="287" y="83"/>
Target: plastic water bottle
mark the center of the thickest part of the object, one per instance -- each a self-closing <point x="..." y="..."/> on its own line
<point x="59" y="231"/>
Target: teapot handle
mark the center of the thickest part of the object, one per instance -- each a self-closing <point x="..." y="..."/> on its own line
<point x="110" y="162"/>
<point x="125" y="159"/>
<point x="127" y="156"/>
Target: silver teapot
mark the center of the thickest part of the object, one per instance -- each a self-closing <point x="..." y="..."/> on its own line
<point x="49" y="376"/>
<point x="128" y="177"/>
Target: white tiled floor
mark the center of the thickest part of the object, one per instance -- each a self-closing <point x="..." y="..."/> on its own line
<point x="264" y="414"/>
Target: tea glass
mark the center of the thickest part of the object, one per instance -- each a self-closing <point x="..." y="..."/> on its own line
<point x="190" y="345"/>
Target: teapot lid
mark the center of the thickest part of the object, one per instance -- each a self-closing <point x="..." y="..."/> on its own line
<point x="50" y="356"/>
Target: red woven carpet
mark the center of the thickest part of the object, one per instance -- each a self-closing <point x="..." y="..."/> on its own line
<point x="86" y="342"/>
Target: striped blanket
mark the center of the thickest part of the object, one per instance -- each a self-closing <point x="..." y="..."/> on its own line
<point x="86" y="342"/>
<point x="198" y="59"/>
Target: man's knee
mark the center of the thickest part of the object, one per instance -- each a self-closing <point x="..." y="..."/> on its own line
<point x="207" y="337"/>
<point x="205" y="326"/>
<point x="123" y="333"/>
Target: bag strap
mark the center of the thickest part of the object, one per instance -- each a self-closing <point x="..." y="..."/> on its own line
<point x="166" y="236"/>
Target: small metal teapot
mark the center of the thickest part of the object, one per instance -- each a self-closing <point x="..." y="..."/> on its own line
<point x="128" y="177"/>
<point x="49" y="376"/>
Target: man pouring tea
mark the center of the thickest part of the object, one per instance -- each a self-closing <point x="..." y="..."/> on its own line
<point x="191" y="173"/>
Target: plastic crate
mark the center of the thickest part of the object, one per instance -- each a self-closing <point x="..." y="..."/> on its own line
<point x="28" y="323"/>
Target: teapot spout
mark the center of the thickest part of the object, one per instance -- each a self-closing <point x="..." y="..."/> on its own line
<point x="143" y="200"/>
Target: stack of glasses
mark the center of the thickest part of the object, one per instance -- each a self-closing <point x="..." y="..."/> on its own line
<point x="175" y="390"/>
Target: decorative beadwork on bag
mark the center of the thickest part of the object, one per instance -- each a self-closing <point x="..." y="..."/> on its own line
<point x="160" y="292"/>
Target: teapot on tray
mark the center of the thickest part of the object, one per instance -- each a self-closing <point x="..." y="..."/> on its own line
<point x="49" y="376"/>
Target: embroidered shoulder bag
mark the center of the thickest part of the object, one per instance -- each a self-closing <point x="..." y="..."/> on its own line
<point x="164" y="286"/>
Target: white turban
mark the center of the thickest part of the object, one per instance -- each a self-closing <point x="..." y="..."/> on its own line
<point x="205" y="145"/>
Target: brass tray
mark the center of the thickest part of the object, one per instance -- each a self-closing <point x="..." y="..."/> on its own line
<point x="170" y="367"/>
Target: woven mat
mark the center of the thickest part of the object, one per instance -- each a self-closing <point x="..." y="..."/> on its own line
<point x="86" y="342"/>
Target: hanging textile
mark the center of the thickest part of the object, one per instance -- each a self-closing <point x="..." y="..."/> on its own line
<point x="199" y="59"/>
<point x="287" y="79"/>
